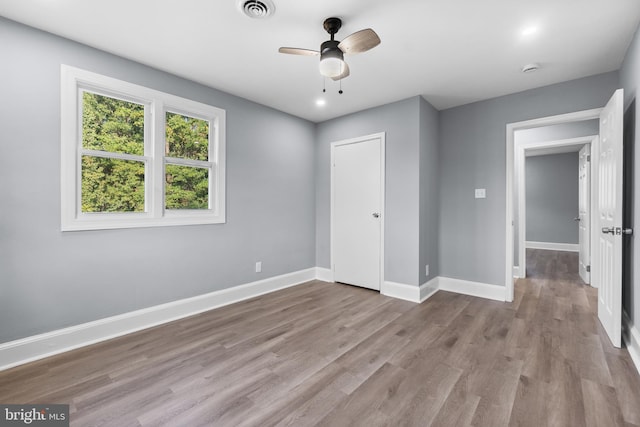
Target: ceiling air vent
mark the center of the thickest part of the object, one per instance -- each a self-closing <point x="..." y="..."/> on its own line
<point x="530" y="68"/>
<point x="258" y="9"/>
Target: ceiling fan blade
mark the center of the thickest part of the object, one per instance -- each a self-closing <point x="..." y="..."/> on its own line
<point x="360" y="41"/>
<point x="345" y="73"/>
<point x="297" y="51"/>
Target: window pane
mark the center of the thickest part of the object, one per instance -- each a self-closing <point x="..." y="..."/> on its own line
<point x="186" y="137"/>
<point x="112" y="185"/>
<point x="187" y="187"/>
<point x="110" y="124"/>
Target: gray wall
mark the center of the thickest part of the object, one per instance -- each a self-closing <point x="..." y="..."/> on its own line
<point x="277" y="192"/>
<point x="412" y="185"/>
<point x="552" y="198"/>
<point x="630" y="81"/>
<point x="401" y="122"/>
<point x="472" y="155"/>
<point x="429" y="191"/>
<point x="50" y="279"/>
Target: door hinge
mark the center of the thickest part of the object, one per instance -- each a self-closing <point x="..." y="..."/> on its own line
<point x="589" y="158"/>
<point x="588" y="269"/>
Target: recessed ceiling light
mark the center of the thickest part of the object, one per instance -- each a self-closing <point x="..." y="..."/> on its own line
<point x="321" y="102"/>
<point x="529" y="31"/>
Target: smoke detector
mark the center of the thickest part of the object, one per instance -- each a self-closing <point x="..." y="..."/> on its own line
<point x="530" y="68"/>
<point x="257" y="9"/>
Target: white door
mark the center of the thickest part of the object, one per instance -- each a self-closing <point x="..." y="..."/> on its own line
<point x="609" y="217"/>
<point x="584" y="222"/>
<point x="356" y="211"/>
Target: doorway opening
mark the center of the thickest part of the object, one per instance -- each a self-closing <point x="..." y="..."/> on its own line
<point x="607" y="230"/>
<point x="563" y="222"/>
<point x="512" y="128"/>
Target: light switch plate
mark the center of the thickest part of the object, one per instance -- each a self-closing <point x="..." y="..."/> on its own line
<point x="481" y="193"/>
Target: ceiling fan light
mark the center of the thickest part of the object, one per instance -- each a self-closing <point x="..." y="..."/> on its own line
<point x="331" y="67"/>
<point x="331" y="59"/>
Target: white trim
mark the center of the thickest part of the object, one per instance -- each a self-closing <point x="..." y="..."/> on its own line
<point x="631" y="336"/>
<point x="383" y="161"/>
<point x="400" y="291"/>
<point x="156" y="104"/>
<point x="324" y="274"/>
<point x="476" y="289"/>
<point x="419" y="294"/>
<point x="521" y="179"/>
<point x="550" y="246"/>
<point x="428" y="289"/>
<point x="510" y="132"/>
<point x="516" y="272"/>
<point x="36" y="347"/>
<point x="593" y="206"/>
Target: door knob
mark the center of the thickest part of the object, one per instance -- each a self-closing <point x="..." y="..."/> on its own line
<point x="376" y="215"/>
<point x="576" y="218"/>
<point x="617" y="230"/>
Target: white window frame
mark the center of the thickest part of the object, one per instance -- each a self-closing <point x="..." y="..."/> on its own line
<point x="73" y="82"/>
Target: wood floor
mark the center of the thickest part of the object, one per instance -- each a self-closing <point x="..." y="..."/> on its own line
<point x="335" y="355"/>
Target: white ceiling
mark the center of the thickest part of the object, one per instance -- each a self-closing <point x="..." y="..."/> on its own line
<point x="451" y="52"/>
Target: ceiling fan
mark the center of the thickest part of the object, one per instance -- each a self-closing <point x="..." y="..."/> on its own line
<point x="332" y="51"/>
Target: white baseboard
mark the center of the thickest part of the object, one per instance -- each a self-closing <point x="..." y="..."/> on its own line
<point x="429" y="288"/>
<point x="324" y="274"/>
<point x="476" y="289"/>
<point x="36" y="347"/>
<point x="422" y="293"/>
<point x="409" y="292"/>
<point x="516" y="272"/>
<point x="568" y="247"/>
<point x="631" y="336"/>
<point x="401" y="291"/>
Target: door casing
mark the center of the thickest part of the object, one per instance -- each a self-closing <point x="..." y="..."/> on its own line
<point x="577" y="116"/>
<point x="585" y="198"/>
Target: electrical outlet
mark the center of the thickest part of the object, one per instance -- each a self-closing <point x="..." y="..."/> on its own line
<point x="426" y="270"/>
<point x="259" y="267"/>
<point x="481" y="193"/>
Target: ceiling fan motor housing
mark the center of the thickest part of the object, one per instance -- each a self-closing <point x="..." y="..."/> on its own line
<point x="332" y="25"/>
<point x="330" y="49"/>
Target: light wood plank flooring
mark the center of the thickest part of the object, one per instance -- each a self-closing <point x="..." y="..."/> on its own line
<point x="336" y="355"/>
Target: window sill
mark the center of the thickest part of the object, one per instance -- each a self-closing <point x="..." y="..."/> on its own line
<point x="143" y="221"/>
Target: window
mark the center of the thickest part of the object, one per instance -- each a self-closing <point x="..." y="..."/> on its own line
<point x="136" y="157"/>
